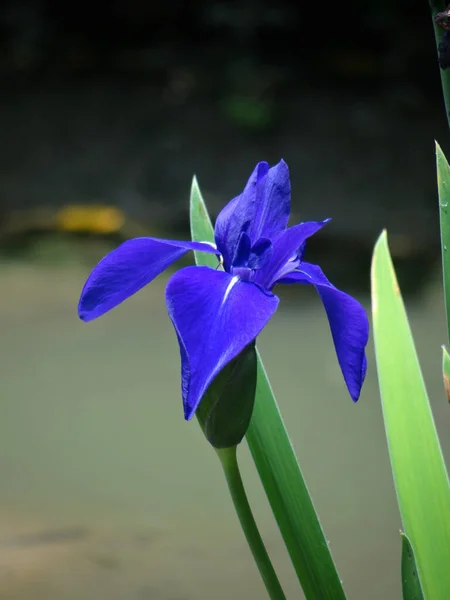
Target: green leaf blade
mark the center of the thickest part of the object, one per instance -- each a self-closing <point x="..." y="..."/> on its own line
<point x="201" y="226"/>
<point x="443" y="179"/>
<point x="412" y="590"/>
<point x="277" y="464"/>
<point x="418" y="467"/>
<point x="289" y="497"/>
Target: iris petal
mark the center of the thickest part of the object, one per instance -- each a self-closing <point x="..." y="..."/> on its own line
<point x="260" y="254"/>
<point x="285" y="248"/>
<point x="242" y="252"/>
<point x="273" y="204"/>
<point x="215" y="317"/>
<point x="235" y="217"/>
<point x="262" y="210"/>
<point x="348" y="322"/>
<point x="127" y="269"/>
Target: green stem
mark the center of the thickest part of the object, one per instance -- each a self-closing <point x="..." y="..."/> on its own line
<point x="436" y="7"/>
<point x="289" y="497"/>
<point x="230" y="466"/>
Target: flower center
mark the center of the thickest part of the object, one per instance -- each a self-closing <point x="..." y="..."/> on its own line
<point x="249" y="258"/>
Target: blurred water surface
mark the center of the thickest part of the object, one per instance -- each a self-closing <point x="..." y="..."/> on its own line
<point x="108" y="493"/>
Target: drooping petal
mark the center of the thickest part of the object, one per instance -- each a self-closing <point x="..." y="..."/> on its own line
<point x="262" y="210"/>
<point x="127" y="269"/>
<point x="348" y="322"/>
<point x="215" y="316"/>
<point x="287" y="248"/>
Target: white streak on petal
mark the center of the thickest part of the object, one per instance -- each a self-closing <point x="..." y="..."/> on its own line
<point x="230" y="286"/>
<point x="303" y="273"/>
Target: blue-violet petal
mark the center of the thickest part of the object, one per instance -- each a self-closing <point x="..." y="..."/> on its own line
<point x="127" y="269"/>
<point x="235" y="217"/>
<point x="215" y="317"/>
<point x="285" y="253"/>
<point x="348" y="322"/>
<point x="262" y="210"/>
<point x="273" y="206"/>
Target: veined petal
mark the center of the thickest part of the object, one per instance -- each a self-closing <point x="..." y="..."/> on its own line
<point x="348" y="322"/>
<point x="262" y="210"/>
<point x="215" y="317"/>
<point x="127" y="269"/>
<point x="285" y="252"/>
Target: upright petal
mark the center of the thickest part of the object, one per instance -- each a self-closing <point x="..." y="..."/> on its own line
<point x="227" y="232"/>
<point x="235" y="217"/>
<point x="215" y="316"/>
<point x="262" y="210"/>
<point x="287" y="249"/>
<point x="127" y="269"/>
<point x="260" y="254"/>
<point x="348" y="322"/>
<point x="242" y="251"/>
<point x="274" y="204"/>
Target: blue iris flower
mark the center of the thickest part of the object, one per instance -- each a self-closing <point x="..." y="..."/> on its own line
<point x="216" y="313"/>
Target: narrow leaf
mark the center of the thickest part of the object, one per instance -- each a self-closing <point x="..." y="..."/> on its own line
<point x="411" y="587"/>
<point x="438" y="6"/>
<point x="289" y="498"/>
<point x="278" y="467"/>
<point x="418" y="467"/>
<point x="201" y="226"/>
<point x="443" y="178"/>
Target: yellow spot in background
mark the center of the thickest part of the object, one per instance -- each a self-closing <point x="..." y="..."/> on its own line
<point x="98" y="219"/>
<point x="353" y="64"/>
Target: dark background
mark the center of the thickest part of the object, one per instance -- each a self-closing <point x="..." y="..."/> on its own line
<point x="121" y="105"/>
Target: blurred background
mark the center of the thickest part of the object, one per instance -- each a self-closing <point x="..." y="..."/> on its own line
<point x="105" y="115"/>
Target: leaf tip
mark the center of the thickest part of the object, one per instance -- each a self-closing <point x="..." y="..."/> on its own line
<point x="381" y="241"/>
<point x="196" y="203"/>
<point x="194" y="185"/>
<point x="442" y="165"/>
<point x="382" y="238"/>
